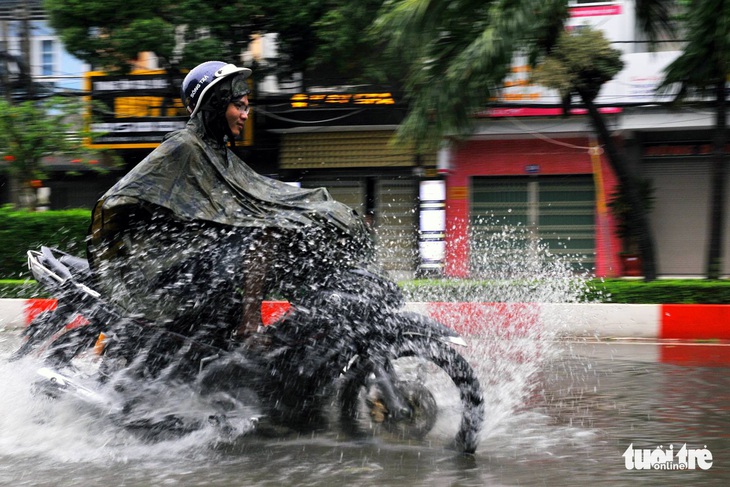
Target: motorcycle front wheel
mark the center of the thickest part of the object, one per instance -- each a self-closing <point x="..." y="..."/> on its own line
<point x="427" y="374"/>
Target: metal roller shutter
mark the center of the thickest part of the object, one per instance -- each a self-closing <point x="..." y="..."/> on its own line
<point x="679" y="219"/>
<point x="344" y="149"/>
<point x="396" y="226"/>
<point x="396" y="220"/>
<point x="348" y="191"/>
<point x="558" y="211"/>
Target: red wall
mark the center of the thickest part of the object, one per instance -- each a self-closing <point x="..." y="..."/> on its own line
<point x="510" y="158"/>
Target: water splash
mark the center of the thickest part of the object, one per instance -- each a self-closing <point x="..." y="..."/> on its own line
<point x="67" y="429"/>
<point x="516" y="273"/>
<point x="512" y="273"/>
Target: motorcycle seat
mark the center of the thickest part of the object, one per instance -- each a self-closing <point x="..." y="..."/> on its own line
<point x="64" y="265"/>
<point x="77" y="264"/>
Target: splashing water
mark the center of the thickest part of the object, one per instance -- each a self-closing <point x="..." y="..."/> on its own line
<point x="69" y="429"/>
<point x="500" y="316"/>
<point x="512" y="274"/>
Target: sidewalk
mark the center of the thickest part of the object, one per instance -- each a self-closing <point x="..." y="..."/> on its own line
<point x="650" y="321"/>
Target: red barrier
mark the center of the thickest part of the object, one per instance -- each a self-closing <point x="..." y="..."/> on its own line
<point x="34" y="307"/>
<point x="506" y="320"/>
<point x="695" y="321"/>
<point x="271" y="311"/>
<point x="677" y="321"/>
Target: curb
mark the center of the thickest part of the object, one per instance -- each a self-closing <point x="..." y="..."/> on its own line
<point x="604" y="320"/>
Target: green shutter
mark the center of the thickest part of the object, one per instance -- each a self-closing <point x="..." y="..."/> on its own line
<point x="558" y="211"/>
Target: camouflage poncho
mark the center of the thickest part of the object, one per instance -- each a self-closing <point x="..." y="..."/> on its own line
<point x="172" y="239"/>
<point x="198" y="180"/>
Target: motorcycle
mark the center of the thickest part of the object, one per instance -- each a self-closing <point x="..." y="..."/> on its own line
<point x="347" y="350"/>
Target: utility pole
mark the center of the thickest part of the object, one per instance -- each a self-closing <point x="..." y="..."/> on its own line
<point x="27" y="81"/>
<point x="4" y="45"/>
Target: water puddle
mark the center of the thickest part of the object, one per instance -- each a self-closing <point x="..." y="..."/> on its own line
<point x="557" y="413"/>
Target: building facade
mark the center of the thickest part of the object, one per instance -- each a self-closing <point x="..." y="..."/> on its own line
<point x="32" y="52"/>
<point x="527" y="164"/>
<point x="341" y="139"/>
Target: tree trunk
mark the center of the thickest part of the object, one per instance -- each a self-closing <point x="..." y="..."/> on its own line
<point x="719" y="173"/>
<point x="14" y="185"/>
<point x="27" y="196"/>
<point x="630" y="185"/>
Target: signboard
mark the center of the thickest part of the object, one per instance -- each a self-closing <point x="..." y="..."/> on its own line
<point x="680" y="150"/>
<point x="635" y="84"/>
<point x="330" y="100"/>
<point x="135" y="111"/>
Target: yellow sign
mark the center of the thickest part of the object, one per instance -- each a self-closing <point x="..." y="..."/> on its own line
<point x="458" y="193"/>
<point x="305" y="100"/>
<point x="147" y="106"/>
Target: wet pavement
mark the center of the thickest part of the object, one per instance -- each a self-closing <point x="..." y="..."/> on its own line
<point x="562" y="413"/>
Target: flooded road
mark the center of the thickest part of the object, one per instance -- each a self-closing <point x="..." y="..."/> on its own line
<point x="560" y="413"/>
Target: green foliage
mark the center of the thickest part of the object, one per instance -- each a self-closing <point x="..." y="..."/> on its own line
<point x="458" y="54"/>
<point x="200" y="50"/>
<point x="105" y="34"/>
<point x="670" y="291"/>
<point x="31" y="130"/>
<point x="655" y="18"/>
<point x="146" y="35"/>
<point x="582" y="60"/>
<point x="321" y="39"/>
<point x="21" y="288"/>
<point x="21" y="231"/>
<point x="705" y="60"/>
<point x="345" y="48"/>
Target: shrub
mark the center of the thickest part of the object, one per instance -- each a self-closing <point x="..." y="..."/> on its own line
<point x="21" y="231"/>
<point x="17" y="288"/>
<point x="669" y="291"/>
<point x="673" y="291"/>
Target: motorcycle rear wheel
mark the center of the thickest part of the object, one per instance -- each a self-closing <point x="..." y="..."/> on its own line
<point x="354" y="392"/>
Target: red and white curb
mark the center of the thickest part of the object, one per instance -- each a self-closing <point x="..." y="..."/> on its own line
<point x="650" y="321"/>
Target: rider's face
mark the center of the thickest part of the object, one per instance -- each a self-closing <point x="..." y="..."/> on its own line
<point x="237" y="114"/>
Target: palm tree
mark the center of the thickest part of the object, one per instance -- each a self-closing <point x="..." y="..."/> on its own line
<point x="701" y="71"/>
<point x="460" y="53"/>
<point x="580" y="63"/>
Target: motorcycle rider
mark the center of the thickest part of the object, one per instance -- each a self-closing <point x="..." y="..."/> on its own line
<point x="192" y="238"/>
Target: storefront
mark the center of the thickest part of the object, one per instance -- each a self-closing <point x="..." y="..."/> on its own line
<point x="360" y="168"/>
<point x="680" y="173"/>
<point x="553" y="188"/>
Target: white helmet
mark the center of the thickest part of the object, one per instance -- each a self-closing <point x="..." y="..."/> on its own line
<point x="203" y="77"/>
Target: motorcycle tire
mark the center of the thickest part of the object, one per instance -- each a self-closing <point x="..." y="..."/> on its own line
<point x="445" y="358"/>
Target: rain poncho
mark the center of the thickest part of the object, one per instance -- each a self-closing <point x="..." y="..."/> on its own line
<point x="197" y="181"/>
<point x="200" y="195"/>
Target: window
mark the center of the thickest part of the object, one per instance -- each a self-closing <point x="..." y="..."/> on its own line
<point x="47" y="58"/>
